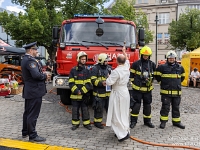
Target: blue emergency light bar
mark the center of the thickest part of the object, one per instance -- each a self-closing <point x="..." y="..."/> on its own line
<point x="96" y="16"/>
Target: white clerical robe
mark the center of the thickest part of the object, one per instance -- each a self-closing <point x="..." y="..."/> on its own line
<point x="119" y="101"/>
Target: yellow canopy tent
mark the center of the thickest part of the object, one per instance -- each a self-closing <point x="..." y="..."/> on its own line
<point x="190" y="61"/>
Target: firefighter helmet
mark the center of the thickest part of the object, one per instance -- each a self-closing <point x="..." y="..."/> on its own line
<point x="171" y="54"/>
<point x="146" y="51"/>
<point x="102" y="58"/>
<point x="81" y="54"/>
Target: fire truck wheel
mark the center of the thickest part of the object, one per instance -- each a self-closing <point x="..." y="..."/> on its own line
<point x="65" y="98"/>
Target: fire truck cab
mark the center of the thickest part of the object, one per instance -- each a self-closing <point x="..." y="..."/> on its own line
<point x="93" y="34"/>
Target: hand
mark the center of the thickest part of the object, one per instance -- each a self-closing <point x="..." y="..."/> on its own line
<point x="79" y="92"/>
<point x="48" y="76"/>
<point x="104" y="83"/>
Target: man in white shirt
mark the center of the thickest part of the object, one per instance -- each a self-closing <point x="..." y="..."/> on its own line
<point x="194" y="76"/>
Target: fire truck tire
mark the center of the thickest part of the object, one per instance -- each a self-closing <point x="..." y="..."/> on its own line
<point x="65" y="98"/>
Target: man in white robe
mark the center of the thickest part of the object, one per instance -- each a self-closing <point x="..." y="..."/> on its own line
<point x="119" y="101"/>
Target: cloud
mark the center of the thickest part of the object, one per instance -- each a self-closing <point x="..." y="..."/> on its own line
<point x="1" y="1"/>
<point x="14" y="8"/>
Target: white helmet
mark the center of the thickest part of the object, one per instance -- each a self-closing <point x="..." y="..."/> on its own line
<point x="171" y="54"/>
<point x="102" y="58"/>
<point x="81" y="54"/>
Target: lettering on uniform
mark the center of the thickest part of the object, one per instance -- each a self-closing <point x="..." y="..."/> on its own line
<point x="69" y="56"/>
<point x="32" y="65"/>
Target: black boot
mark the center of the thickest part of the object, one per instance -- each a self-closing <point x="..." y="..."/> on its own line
<point x="133" y="121"/>
<point x="74" y="127"/>
<point x="149" y="124"/>
<point x="98" y="125"/>
<point x="162" y="125"/>
<point x="179" y="125"/>
<point x="132" y="125"/>
<point x="125" y="138"/>
<point x="88" y="126"/>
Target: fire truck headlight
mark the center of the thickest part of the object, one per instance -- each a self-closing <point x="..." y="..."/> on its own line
<point x="62" y="45"/>
<point x="59" y="82"/>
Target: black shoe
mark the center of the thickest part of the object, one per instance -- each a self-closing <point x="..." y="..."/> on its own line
<point x="149" y="124"/>
<point x="89" y="127"/>
<point x="24" y="136"/>
<point x="179" y="125"/>
<point x="74" y="127"/>
<point x="37" y="139"/>
<point x="125" y="138"/>
<point x="162" y="125"/>
<point x="99" y="125"/>
<point x="132" y="125"/>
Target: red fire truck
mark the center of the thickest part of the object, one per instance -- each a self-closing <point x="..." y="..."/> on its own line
<point x="93" y="34"/>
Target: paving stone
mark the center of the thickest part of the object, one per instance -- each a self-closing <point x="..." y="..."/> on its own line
<point x="54" y="123"/>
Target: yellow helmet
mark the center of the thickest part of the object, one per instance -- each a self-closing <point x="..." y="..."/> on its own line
<point x="146" y="51"/>
<point x="81" y="54"/>
<point x="171" y="54"/>
<point x="103" y="57"/>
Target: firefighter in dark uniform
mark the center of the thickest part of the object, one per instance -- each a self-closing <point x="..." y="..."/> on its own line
<point x="99" y="74"/>
<point x="170" y="75"/>
<point x="142" y="76"/>
<point x="34" y="89"/>
<point x="80" y="85"/>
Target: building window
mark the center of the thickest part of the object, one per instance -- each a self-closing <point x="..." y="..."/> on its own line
<point x="139" y="1"/>
<point x="163" y="18"/>
<point x="159" y="38"/>
<point x="166" y="38"/>
<point x="145" y="1"/>
<point x="142" y="1"/>
<point x="194" y="6"/>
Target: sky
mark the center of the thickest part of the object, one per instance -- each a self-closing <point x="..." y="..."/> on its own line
<point x="9" y="6"/>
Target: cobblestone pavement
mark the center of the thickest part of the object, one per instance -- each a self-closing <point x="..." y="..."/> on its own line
<point x="54" y="123"/>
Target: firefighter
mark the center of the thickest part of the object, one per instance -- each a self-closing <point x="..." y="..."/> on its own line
<point x="141" y="77"/>
<point x="99" y="74"/>
<point x="80" y="84"/>
<point x="170" y="75"/>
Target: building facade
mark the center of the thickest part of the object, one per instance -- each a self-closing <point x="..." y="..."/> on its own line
<point x="3" y="35"/>
<point x="166" y="11"/>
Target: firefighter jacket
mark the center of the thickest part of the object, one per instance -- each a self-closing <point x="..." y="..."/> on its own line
<point x="79" y="80"/>
<point x="99" y="74"/>
<point x="170" y="78"/>
<point x="142" y="75"/>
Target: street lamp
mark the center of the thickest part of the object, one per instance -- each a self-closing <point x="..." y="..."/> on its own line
<point x="156" y="35"/>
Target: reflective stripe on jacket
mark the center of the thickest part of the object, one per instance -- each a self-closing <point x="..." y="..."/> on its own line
<point x="79" y="80"/>
<point x="170" y="78"/>
<point x="137" y="75"/>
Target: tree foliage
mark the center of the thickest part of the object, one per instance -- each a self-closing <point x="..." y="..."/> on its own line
<point x="185" y="33"/>
<point x="126" y="8"/>
<point x="41" y="15"/>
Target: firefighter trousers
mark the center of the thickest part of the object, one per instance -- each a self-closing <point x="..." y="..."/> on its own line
<point x="147" y="100"/>
<point x="98" y="113"/>
<point x="76" y="105"/>
<point x="166" y="102"/>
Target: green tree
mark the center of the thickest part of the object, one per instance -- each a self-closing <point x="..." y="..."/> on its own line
<point x="185" y="33"/>
<point x="41" y="15"/>
<point x="126" y="8"/>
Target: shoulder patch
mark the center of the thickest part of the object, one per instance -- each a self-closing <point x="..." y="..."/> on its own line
<point x="32" y="65"/>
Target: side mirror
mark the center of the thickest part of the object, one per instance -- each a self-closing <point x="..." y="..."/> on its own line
<point x="141" y="36"/>
<point x="55" y="32"/>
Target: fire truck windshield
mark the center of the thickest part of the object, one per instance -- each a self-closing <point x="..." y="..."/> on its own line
<point x="114" y="33"/>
